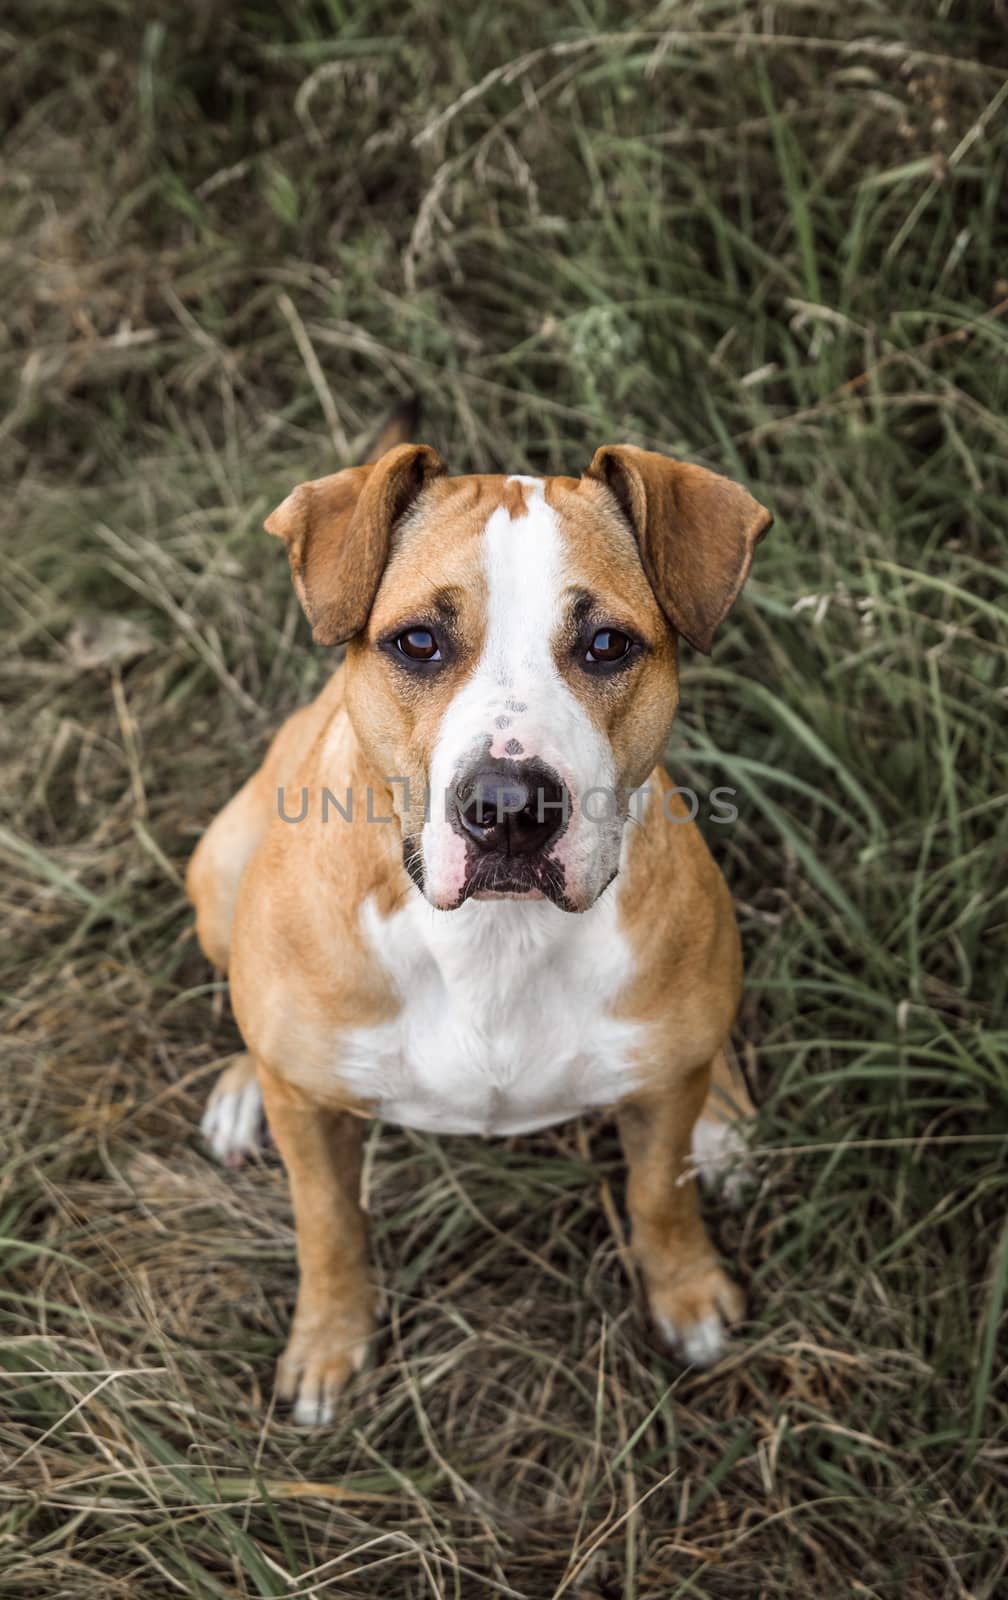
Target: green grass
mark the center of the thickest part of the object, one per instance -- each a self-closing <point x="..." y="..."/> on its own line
<point x="772" y="239"/>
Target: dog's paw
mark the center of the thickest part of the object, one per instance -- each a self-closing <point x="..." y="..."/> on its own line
<point x="318" y="1364"/>
<point x="694" y="1310"/>
<point x="719" y="1151"/>
<point x="233" y="1124"/>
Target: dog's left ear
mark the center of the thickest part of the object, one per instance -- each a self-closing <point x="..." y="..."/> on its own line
<point x="337" y="532"/>
<point x="696" y="533"/>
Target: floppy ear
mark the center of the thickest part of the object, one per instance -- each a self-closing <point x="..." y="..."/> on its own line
<point x="696" y="533"/>
<point x="337" y="533"/>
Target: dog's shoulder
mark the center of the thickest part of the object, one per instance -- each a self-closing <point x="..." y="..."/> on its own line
<point x="678" y="918"/>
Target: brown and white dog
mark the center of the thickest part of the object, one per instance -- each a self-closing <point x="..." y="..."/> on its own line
<point x="461" y="893"/>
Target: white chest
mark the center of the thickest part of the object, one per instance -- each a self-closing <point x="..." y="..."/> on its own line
<point x="505" y="1024"/>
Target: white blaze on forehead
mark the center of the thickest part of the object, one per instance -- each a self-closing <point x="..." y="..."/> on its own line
<point x="522" y="560"/>
<point x="517" y="705"/>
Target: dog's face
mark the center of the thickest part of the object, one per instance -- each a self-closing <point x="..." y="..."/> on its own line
<point x="511" y="669"/>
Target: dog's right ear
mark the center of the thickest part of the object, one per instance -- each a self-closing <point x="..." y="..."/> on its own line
<point x="337" y="533"/>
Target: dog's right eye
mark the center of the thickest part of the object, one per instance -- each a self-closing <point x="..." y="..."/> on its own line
<point x="418" y="644"/>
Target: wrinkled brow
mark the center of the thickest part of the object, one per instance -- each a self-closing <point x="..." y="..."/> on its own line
<point x="440" y="606"/>
<point x="582" y="604"/>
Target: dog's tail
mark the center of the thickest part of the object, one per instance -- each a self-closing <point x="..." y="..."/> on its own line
<point x="399" y="427"/>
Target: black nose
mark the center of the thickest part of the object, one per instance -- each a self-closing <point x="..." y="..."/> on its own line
<point x="514" y="809"/>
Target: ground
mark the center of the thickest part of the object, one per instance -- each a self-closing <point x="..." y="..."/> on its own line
<point x="772" y="239"/>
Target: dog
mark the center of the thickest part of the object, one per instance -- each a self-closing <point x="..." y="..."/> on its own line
<point x="461" y="893"/>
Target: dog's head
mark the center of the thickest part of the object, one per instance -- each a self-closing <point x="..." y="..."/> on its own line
<point x="511" y="661"/>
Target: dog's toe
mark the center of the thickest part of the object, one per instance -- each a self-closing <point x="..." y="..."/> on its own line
<point x="693" y="1314"/>
<point x="233" y="1122"/>
<point x="315" y="1405"/>
<point x="700" y="1344"/>
<point x="312" y="1373"/>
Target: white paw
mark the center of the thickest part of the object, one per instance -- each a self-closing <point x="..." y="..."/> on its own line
<point x="693" y="1311"/>
<point x="313" y="1409"/>
<point x="233" y="1121"/>
<point x="719" y="1156"/>
<point x="314" y="1372"/>
<point x="700" y="1344"/>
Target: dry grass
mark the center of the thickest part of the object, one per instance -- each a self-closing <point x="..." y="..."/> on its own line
<point x="773" y="239"/>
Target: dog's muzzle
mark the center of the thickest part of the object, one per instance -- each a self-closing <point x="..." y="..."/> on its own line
<point x="510" y="813"/>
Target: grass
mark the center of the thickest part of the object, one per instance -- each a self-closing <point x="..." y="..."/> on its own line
<point x="772" y="239"/>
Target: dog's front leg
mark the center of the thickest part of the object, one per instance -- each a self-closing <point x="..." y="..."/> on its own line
<point x="691" y="1298"/>
<point x="334" y="1316"/>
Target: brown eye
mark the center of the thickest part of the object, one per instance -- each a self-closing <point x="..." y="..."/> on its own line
<point x="608" y="645"/>
<point x="419" y="644"/>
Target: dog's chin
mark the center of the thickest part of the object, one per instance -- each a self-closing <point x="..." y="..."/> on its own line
<point x="507" y="894"/>
<point x="531" y="881"/>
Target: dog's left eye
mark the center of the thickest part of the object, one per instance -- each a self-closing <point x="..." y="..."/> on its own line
<point x="608" y="645"/>
<point x="419" y="644"/>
